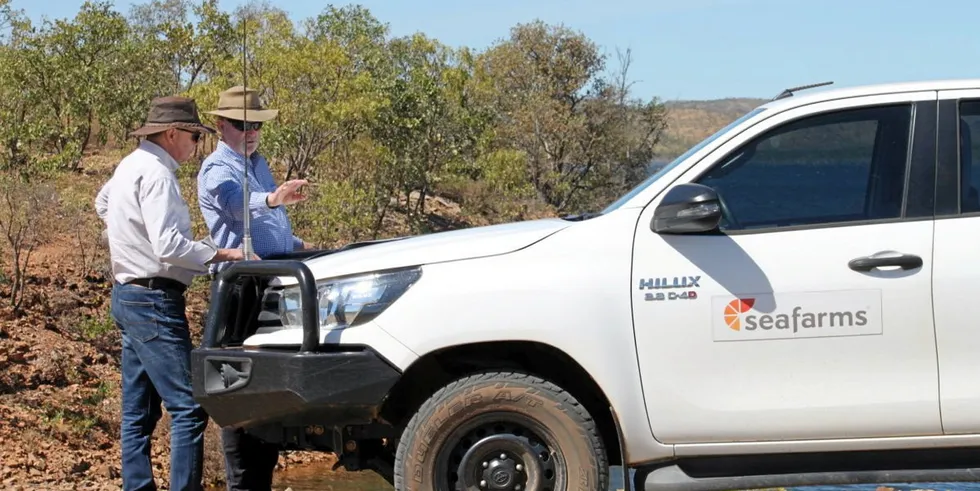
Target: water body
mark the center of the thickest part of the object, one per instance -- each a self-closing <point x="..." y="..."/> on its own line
<point x="315" y="479"/>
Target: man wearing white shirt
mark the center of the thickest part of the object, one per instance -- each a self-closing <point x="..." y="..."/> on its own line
<point x="154" y="259"/>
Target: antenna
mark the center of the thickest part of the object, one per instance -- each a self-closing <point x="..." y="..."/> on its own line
<point x="246" y="212"/>
<point x="789" y="92"/>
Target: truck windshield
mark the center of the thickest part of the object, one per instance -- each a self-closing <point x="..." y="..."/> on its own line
<point x="656" y="175"/>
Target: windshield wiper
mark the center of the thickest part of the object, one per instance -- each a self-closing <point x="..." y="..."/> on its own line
<point x="582" y="216"/>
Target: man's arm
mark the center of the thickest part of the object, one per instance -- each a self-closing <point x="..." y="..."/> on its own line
<point x="102" y="210"/>
<point x="160" y="201"/>
<point x="225" y="187"/>
<point x="102" y="201"/>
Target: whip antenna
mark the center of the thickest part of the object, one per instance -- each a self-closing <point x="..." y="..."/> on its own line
<point x="246" y="212"/>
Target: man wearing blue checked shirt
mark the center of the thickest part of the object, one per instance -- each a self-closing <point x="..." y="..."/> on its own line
<point x="249" y="462"/>
<point x="220" y="181"/>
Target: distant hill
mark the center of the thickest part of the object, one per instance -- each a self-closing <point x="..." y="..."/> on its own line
<point x="692" y="121"/>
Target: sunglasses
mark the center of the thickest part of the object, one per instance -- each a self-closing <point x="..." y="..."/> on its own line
<point x="243" y="126"/>
<point x="195" y="135"/>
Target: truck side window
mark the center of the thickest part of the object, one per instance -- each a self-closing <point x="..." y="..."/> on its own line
<point x="842" y="166"/>
<point x="969" y="143"/>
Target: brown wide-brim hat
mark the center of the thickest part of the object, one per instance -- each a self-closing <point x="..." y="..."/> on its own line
<point x="172" y="112"/>
<point x="242" y="104"/>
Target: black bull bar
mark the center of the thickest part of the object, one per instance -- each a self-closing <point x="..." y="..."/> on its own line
<point x="222" y="288"/>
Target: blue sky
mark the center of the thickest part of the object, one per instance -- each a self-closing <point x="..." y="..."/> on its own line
<point x="702" y="49"/>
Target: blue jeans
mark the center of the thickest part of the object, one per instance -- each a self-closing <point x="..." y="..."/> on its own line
<point x="156" y="369"/>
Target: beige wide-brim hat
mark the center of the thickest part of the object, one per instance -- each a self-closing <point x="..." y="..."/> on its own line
<point x="243" y="105"/>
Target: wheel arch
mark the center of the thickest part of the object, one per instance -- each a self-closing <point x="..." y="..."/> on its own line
<point x="436" y="369"/>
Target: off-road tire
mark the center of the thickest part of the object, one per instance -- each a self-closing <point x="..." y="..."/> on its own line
<point x="425" y="450"/>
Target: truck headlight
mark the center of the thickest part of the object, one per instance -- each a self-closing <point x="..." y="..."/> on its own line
<point x="350" y="301"/>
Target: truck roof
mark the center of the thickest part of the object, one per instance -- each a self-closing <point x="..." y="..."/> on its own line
<point x="810" y="96"/>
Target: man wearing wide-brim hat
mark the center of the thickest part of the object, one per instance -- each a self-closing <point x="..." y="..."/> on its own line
<point x="240" y="104"/>
<point x="154" y="258"/>
<point x="239" y="117"/>
<point x="173" y="113"/>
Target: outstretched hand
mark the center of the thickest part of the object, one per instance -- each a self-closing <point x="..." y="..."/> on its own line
<point x="231" y="255"/>
<point x="287" y="193"/>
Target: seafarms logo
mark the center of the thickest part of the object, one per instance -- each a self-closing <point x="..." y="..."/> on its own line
<point x="797" y="315"/>
<point x="734" y="309"/>
<point x="795" y="321"/>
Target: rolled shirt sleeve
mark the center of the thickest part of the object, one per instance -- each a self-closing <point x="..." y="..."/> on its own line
<point x="220" y="198"/>
<point x="165" y="219"/>
<point x="222" y="184"/>
<point x="102" y="210"/>
<point x="102" y="201"/>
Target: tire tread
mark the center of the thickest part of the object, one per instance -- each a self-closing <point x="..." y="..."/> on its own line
<point x="572" y="407"/>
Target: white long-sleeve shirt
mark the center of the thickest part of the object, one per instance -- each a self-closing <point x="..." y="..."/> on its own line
<point x="148" y="222"/>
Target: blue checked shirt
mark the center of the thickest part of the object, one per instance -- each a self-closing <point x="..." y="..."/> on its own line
<point x="219" y="194"/>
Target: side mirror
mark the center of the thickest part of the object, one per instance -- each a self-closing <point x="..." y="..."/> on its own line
<point x="687" y="208"/>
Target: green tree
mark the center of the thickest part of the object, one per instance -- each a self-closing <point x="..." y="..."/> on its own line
<point x="22" y="123"/>
<point x="555" y="106"/>
<point x="422" y="126"/>
<point x="85" y="77"/>
<point x="380" y="125"/>
<point x="187" y="53"/>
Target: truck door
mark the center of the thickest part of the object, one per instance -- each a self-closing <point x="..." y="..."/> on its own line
<point x="809" y="315"/>
<point x="956" y="272"/>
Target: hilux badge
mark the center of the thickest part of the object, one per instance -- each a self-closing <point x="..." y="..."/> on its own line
<point x="673" y="283"/>
<point x="664" y="283"/>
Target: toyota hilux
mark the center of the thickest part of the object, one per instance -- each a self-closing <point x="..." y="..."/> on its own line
<point x="787" y="303"/>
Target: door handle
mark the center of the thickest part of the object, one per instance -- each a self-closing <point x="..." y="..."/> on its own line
<point x="867" y="263"/>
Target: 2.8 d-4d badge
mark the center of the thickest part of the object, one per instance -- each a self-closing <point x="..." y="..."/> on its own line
<point x="674" y="283"/>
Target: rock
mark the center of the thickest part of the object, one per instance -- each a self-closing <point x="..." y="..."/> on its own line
<point x="62" y="302"/>
<point x="103" y="470"/>
<point x="80" y="467"/>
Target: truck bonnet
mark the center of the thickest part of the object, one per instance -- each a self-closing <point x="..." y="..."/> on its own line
<point x="432" y="248"/>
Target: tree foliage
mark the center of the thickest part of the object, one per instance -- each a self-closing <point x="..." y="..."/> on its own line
<point x="380" y="123"/>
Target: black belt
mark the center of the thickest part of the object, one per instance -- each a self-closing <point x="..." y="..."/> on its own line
<point x="159" y="283"/>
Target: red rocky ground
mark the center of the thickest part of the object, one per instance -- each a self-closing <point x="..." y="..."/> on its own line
<point x="59" y="386"/>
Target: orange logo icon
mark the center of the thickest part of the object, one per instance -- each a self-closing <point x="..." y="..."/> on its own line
<point x="736" y="307"/>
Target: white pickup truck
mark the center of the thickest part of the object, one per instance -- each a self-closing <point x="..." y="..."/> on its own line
<point x="788" y="303"/>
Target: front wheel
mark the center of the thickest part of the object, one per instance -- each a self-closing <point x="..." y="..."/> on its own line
<point x="501" y="431"/>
